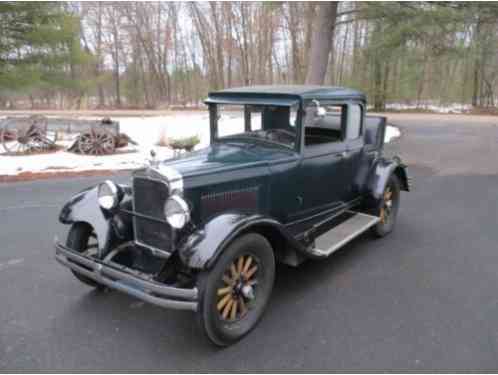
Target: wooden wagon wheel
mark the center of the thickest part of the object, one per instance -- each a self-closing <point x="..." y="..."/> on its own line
<point x="97" y="142"/>
<point x="25" y="137"/>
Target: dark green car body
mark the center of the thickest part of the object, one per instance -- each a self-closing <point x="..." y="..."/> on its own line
<point x="289" y="193"/>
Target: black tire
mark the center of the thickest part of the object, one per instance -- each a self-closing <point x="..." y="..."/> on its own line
<point x="77" y="239"/>
<point x="221" y="331"/>
<point x="386" y="226"/>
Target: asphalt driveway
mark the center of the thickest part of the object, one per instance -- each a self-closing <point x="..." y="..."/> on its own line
<point x="424" y="298"/>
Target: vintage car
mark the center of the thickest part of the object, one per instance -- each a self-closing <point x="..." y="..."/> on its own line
<point x="291" y="173"/>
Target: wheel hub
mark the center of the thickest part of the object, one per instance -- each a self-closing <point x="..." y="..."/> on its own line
<point x="248" y="292"/>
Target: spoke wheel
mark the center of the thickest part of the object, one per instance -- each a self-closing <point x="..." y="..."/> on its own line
<point x="96" y="142"/>
<point x="387" y="204"/>
<point x="28" y="136"/>
<point x="233" y="294"/>
<point x="388" y="208"/>
<point x="237" y="293"/>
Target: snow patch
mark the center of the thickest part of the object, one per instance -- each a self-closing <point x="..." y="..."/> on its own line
<point x="430" y="106"/>
<point x="146" y="131"/>
<point x="11" y="262"/>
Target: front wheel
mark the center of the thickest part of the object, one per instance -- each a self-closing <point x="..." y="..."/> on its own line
<point x="388" y="207"/>
<point x="235" y="292"/>
<point x="80" y="238"/>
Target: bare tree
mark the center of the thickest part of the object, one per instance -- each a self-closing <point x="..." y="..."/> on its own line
<point x="323" y="34"/>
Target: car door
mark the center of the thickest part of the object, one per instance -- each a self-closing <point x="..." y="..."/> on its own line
<point x="322" y="178"/>
<point x="323" y="172"/>
<point x="356" y="167"/>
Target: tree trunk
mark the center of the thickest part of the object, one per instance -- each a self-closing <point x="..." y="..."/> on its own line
<point x="229" y="39"/>
<point x="116" y="69"/>
<point x="245" y="50"/>
<point x="343" y="55"/>
<point x="356" y="48"/>
<point x="99" y="56"/>
<point x="475" y="82"/>
<point x="385" y="86"/>
<point x="293" y="22"/>
<point x="320" y="44"/>
<point x="378" y="102"/>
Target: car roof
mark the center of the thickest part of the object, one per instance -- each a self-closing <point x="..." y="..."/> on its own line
<point x="283" y="94"/>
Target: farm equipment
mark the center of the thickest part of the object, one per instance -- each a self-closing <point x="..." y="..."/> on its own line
<point x="26" y="135"/>
<point x="22" y="135"/>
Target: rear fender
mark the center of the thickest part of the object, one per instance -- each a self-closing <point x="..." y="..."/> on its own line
<point x="201" y="249"/>
<point x="382" y="170"/>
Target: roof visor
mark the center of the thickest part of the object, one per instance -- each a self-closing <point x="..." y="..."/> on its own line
<point x="260" y="100"/>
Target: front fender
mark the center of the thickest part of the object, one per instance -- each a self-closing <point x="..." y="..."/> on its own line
<point x="381" y="172"/>
<point x="201" y="249"/>
<point x="84" y="207"/>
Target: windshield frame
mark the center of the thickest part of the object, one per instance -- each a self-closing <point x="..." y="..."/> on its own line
<point x="213" y="124"/>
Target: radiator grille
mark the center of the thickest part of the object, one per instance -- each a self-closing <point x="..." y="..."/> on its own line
<point x="245" y="199"/>
<point x="149" y="197"/>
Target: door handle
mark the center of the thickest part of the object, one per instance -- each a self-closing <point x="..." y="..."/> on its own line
<point x="299" y="200"/>
<point x="342" y="155"/>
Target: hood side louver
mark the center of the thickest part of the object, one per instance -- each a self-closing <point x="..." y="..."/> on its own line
<point x="245" y="199"/>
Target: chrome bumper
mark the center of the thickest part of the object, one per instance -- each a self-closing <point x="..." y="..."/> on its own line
<point x="146" y="290"/>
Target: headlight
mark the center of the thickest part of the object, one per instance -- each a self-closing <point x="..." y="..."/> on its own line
<point x="108" y="195"/>
<point x="176" y="212"/>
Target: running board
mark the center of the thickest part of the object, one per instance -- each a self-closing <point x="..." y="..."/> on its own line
<point x="341" y="234"/>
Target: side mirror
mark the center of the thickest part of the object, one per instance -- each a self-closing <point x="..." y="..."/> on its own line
<point x="320" y="111"/>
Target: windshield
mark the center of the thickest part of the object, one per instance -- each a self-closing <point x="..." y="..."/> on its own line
<point x="270" y="124"/>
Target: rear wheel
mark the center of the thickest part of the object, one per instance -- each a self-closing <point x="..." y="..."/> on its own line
<point x="81" y="239"/>
<point x="388" y="207"/>
<point x="235" y="292"/>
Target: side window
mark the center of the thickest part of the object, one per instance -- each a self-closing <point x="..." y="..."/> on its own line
<point x="254" y="117"/>
<point x="354" y="121"/>
<point x="323" y="123"/>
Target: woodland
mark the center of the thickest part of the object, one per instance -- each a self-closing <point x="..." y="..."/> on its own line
<point x="157" y="55"/>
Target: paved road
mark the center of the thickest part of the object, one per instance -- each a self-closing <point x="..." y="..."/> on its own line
<point x="424" y="298"/>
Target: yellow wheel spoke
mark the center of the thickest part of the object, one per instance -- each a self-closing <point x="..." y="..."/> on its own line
<point x="240" y="264"/>
<point x="227" y="280"/>
<point x="233" y="269"/>
<point x="247" y="265"/>
<point x="226" y="310"/>
<point x="225" y="290"/>
<point x="250" y="272"/>
<point x="233" y="313"/>
<point x="224" y="301"/>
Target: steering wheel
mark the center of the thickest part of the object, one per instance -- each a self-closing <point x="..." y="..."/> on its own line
<point x="280" y="134"/>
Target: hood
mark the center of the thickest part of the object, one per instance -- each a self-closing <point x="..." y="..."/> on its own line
<point x="205" y="176"/>
<point x="221" y="157"/>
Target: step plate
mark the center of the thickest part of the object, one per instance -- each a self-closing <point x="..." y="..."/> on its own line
<point x="340" y="235"/>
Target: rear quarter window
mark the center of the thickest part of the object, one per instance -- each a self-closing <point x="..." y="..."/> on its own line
<point x="355" y="113"/>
